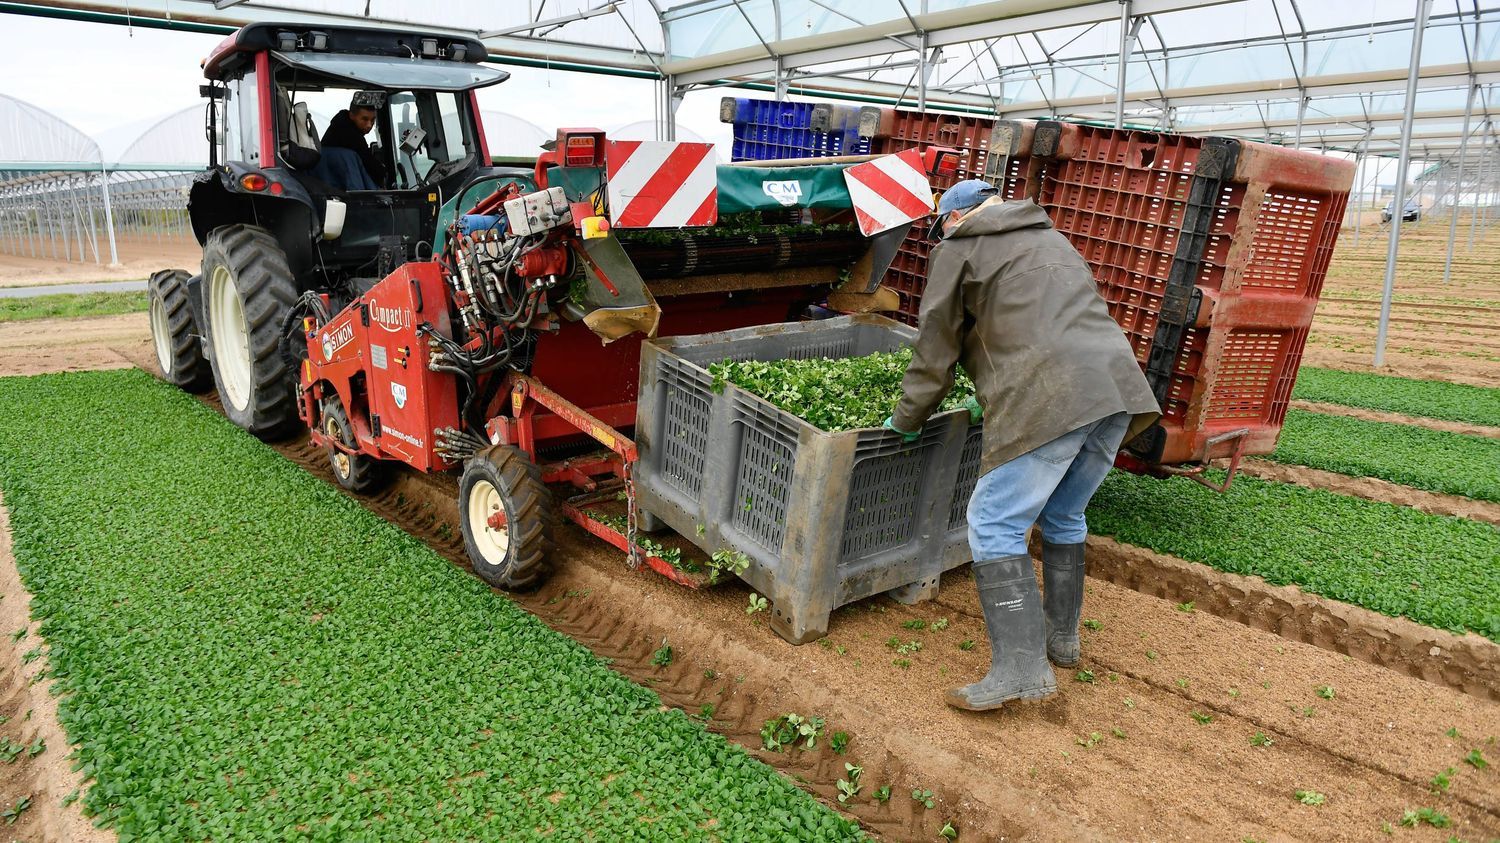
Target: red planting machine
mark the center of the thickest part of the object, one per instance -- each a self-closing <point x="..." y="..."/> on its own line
<point x="513" y="353"/>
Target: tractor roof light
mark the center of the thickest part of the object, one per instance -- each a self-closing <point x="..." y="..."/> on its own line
<point x="286" y="41"/>
<point x="316" y="40"/>
<point x="429" y="48"/>
<point x="458" y="51"/>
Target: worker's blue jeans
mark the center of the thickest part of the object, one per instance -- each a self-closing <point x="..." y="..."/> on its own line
<point x="1049" y="485"/>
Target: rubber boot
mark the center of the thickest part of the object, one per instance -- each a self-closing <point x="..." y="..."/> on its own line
<point x="1013" y="615"/>
<point x="1062" y="600"/>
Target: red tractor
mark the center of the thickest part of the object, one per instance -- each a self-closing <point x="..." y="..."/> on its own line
<point x="455" y="316"/>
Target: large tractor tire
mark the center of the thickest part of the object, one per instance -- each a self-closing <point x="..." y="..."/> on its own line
<point x="506" y="515"/>
<point x="355" y="472"/>
<point x="179" y="354"/>
<point x="247" y="292"/>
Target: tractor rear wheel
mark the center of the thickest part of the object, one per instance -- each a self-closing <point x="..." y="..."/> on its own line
<point x="178" y="352"/>
<point x="506" y="515"/>
<point x="355" y="472"/>
<point x="247" y="291"/>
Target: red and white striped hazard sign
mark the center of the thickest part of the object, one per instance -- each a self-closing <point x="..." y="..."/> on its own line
<point x="661" y="184"/>
<point x="889" y="191"/>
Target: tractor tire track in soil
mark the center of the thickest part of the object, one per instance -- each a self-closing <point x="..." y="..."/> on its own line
<point x="1442" y="425"/>
<point x="1373" y="489"/>
<point x="30" y="716"/>
<point x="999" y="775"/>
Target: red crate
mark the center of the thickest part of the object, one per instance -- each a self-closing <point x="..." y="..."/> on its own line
<point x="1010" y="165"/>
<point x="899" y="129"/>
<point x="1210" y="253"/>
<point x="993" y="150"/>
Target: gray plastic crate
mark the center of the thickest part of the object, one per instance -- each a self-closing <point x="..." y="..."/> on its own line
<point x="825" y="518"/>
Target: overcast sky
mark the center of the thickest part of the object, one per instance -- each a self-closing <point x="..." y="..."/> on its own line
<point x="112" y="82"/>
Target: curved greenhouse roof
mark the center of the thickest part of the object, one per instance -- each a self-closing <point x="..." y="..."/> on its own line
<point x="1329" y="74"/>
<point x="34" y="139"/>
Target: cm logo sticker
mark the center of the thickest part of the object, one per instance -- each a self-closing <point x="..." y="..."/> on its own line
<point x="787" y="193"/>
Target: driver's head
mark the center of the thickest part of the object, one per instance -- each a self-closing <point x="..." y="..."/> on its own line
<point x="362" y="116"/>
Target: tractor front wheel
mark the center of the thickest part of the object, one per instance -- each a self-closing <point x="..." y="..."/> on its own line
<point x="248" y="290"/>
<point x="355" y="472"/>
<point x="505" y="512"/>
<point x="178" y="352"/>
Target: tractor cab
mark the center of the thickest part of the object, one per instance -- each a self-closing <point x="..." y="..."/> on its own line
<point x="344" y="143"/>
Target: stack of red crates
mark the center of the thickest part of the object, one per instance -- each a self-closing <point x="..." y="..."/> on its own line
<point x="987" y="149"/>
<point x="1210" y="253"/>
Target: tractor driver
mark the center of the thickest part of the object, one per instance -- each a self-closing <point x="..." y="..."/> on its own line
<point x="347" y="130"/>
<point x="1059" y="390"/>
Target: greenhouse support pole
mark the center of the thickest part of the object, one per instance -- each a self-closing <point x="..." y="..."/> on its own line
<point x="77" y="221"/>
<point x="1124" y="58"/>
<point x="1458" y="190"/>
<point x="1494" y="185"/>
<point x="1479" y="183"/>
<point x="7" y="224"/>
<point x="85" y="222"/>
<point x="109" y="217"/>
<point x="1301" y="115"/>
<point x="1398" y="202"/>
<point x="1360" y="196"/>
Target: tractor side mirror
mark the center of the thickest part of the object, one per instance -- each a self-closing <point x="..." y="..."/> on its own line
<point x="411" y="140"/>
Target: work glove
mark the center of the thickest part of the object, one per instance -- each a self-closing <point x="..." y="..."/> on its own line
<point x="976" y="412"/>
<point x="890" y="424"/>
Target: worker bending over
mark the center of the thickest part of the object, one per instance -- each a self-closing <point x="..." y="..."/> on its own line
<point x="1059" y="390"/>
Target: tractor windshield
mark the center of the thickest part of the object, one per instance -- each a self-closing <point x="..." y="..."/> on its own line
<point x="378" y="139"/>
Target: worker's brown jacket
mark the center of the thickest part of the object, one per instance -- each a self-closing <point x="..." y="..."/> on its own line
<point x="1012" y="300"/>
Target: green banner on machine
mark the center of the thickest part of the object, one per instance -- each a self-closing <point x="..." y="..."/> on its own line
<point x="770" y="188"/>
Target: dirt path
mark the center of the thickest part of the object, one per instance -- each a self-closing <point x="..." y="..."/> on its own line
<point x="30" y="718"/>
<point x="1438" y="331"/>
<point x="1403" y="365"/>
<point x="37" y="346"/>
<point x="139" y="257"/>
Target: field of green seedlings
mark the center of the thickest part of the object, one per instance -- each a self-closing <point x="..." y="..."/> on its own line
<point x="1430" y="399"/>
<point x="71" y="305"/>
<point x="1431" y="460"/>
<point x="1436" y="570"/>
<point x="247" y="654"/>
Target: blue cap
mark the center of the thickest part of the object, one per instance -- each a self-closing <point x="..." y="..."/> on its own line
<point x="965" y="195"/>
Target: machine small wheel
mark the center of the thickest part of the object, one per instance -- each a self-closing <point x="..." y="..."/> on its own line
<point x="173" y="333"/>
<point x="355" y="472"/>
<point x="505" y="512"/>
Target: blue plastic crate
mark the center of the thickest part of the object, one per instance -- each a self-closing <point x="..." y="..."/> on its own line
<point x="766" y="130"/>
